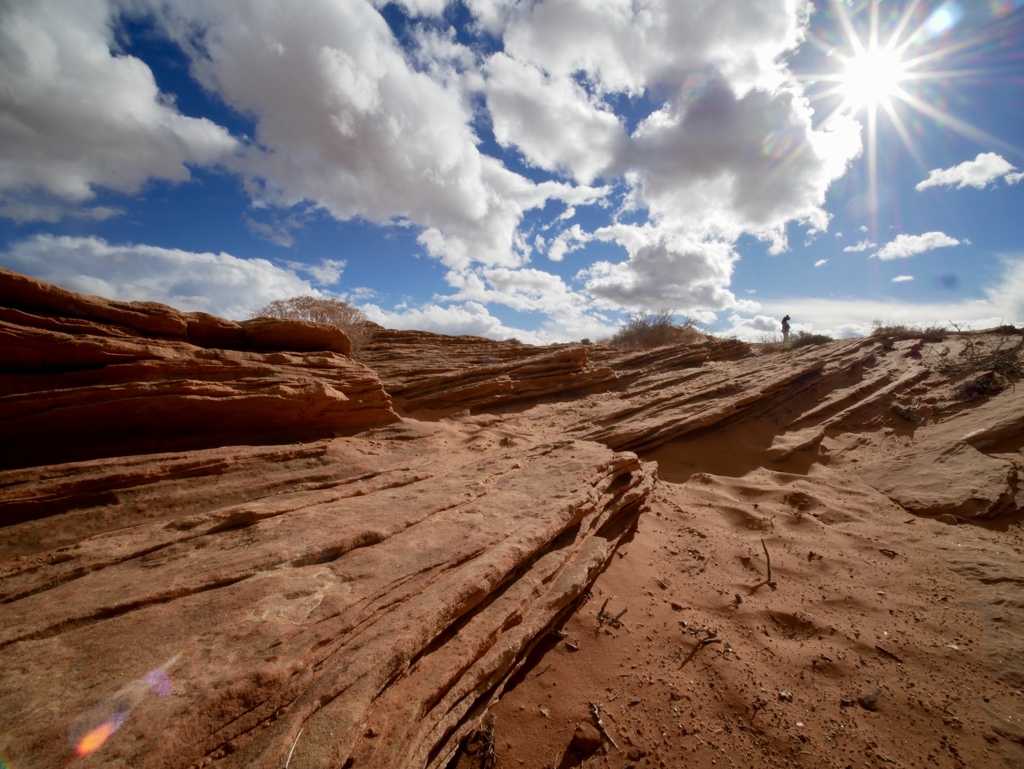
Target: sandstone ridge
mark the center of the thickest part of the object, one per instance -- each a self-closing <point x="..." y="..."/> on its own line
<point x="232" y="545"/>
<point x="84" y="377"/>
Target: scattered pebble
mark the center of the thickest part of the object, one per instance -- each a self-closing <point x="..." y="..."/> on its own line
<point x="869" y="698"/>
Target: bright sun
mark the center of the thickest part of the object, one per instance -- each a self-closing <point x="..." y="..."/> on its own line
<point x="872" y="77"/>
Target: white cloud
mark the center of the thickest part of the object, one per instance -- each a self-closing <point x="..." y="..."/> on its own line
<point x="902" y="278"/>
<point x="74" y="116"/>
<point x="864" y="245"/>
<point x="718" y="166"/>
<point x="977" y="173"/>
<point x="663" y="272"/>
<point x="909" y="245"/>
<point x="821" y="263"/>
<point x="220" y="284"/>
<point x="326" y="272"/>
<point x="376" y="139"/>
<point x="753" y="329"/>
<point x="625" y="46"/>
<point x="567" y="314"/>
<point x="470" y="318"/>
<point x="417" y="7"/>
<point x="551" y="120"/>
<point x="1013" y="178"/>
<point x="473" y="318"/>
<point x="1001" y="302"/>
<point x="568" y="241"/>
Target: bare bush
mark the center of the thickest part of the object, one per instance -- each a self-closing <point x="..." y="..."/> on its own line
<point x="804" y="338"/>
<point x="888" y="335"/>
<point x="648" y="329"/>
<point x="1004" y="359"/>
<point x="349" y="319"/>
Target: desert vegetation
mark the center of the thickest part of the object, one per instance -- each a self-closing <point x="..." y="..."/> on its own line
<point x="890" y="334"/>
<point x="655" y="329"/>
<point x="349" y="319"/>
<point x="804" y="338"/>
<point x="774" y="343"/>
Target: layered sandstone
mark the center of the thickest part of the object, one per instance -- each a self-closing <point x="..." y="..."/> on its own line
<point x="374" y="593"/>
<point x="219" y="545"/>
<point x="84" y="377"/>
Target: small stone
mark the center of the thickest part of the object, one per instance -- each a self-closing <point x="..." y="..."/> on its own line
<point x="586" y="739"/>
<point x="676" y="606"/>
<point x="948" y="518"/>
<point x="545" y="712"/>
<point x="869" y="698"/>
<point x="991" y="737"/>
<point x="371" y="732"/>
<point x="785" y="696"/>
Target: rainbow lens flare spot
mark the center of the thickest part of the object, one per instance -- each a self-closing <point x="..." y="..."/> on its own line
<point x="94" y="739"/>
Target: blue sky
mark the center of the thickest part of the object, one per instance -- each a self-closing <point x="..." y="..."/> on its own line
<point x="531" y="169"/>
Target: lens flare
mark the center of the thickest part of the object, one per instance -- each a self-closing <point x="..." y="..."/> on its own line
<point x="942" y="19"/>
<point x="890" y="69"/>
<point x="93" y="740"/>
<point x="92" y="729"/>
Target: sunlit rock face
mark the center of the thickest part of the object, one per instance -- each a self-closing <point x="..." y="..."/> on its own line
<point x="219" y="541"/>
<point x="84" y="377"/>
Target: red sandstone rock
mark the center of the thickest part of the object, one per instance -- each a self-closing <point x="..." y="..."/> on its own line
<point x="953" y="471"/>
<point x="82" y="377"/>
<point x="373" y="592"/>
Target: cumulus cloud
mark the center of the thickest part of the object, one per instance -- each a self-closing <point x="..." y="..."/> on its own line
<point x="220" y="284"/>
<point x="864" y="245"/>
<point x="567" y="314"/>
<point x="905" y="246"/>
<point x="473" y="318"/>
<point x="672" y="273"/>
<point x="551" y="120"/>
<point x="568" y="241"/>
<point x="977" y="173"/>
<point x="75" y="116"/>
<point x="625" y="46"/>
<point x="377" y="138"/>
<point x="326" y="272"/>
<point x="351" y="121"/>
<point x="902" y="278"/>
<point x="469" y="318"/>
<point x="720" y="165"/>
<point x="753" y="329"/>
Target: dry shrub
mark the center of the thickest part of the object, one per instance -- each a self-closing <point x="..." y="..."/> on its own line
<point x="804" y="338"/>
<point x="1004" y="359"/>
<point x="648" y="329"/>
<point x="359" y="329"/>
<point x="888" y="335"/>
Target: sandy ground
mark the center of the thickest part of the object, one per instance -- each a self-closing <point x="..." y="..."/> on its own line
<point x="876" y="643"/>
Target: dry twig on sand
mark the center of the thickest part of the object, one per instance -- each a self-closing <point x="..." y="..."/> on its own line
<point x="697" y="647"/>
<point x="595" y="708"/>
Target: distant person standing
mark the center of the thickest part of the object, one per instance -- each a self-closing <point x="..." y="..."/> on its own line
<point x="785" y="329"/>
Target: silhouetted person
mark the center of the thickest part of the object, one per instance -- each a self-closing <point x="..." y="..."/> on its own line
<point x="785" y="329"/>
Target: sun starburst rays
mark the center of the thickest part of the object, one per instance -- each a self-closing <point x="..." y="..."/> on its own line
<point x="889" y="69"/>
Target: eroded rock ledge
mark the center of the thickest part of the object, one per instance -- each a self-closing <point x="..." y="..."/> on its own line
<point x="84" y="377"/>
<point x="374" y="592"/>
